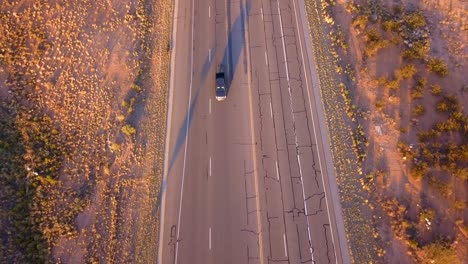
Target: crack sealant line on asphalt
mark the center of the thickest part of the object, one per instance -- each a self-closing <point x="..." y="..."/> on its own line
<point x="252" y="135"/>
<point x="186" y="138"/>
<point x="294" y="129"/>
<point x="168" y="129"/>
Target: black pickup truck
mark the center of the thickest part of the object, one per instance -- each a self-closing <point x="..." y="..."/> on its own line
<point x="221" y="91"/>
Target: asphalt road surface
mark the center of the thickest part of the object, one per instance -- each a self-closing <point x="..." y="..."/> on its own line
<point x="248" y="179"/>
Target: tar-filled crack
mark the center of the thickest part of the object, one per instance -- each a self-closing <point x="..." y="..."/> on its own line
<point x="326" y="242"/>
<point x="246" y="172"/>
<point x="249" y="231"/>
<point x="322" y="196"/>
<point x="250" y="257"/>
<point x="277" y="260"/>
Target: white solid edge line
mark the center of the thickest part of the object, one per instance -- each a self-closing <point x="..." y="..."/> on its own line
<point x="168" y="129"/>
<point x="284" y="46"/>
<point x="271" y="110"/>
<point x="277" y="171"/>
<point x="186" y="138"/>
<point x="298" y="158"/>
<point x="209" y="235"/>
<point x="315" y="131"/>
<point x="285" y="247"/>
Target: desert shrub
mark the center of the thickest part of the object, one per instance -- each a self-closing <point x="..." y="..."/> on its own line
<point x="418" y="91"/>
<point x="419" y="110"/>
<point x="393" y="84"/>
<point x="120" y="118"/>
<point x="128" y="130"/>
<point x="421" y="82"/>
<point x="419" y="170"/>
<point x="415" y="20"/>
<point x="442" y="187"/>
<point x="405" y="150"/>
<point x="361" y="21"/>
<point x="438" y="66"/>
<point x="129" y="105"/>
<point x="396" y="40"/>
<point x="382" y="81"/>
<point x="462" y="174"/>
<point x="406" y="71"/>
<point x="428" y="214"/>
<point x="380" y="104"/>
<point x="418" y="50"/>
<point x="425" y="136"/>
<point x="136" y="88"/>
<point x="391" y="25"/>
<point x="440" y="252"/>
<point x="460" y="205"/>
<point x="450" y="125"/>
<point x="374" y="42"/>
<point x="352" y="7"/>
<point x="459" y="116"/>
<point x="442" y="107"/>
<point x="397" y="10"/>
<point x="436" y="89"/>
<point x="115" y="146"/>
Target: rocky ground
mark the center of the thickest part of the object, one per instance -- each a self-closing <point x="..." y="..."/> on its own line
<point x="83" y="88"/>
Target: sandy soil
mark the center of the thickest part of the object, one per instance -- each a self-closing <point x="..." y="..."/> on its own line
<point x="97" y="66"/>
<point x="389" y="174"/>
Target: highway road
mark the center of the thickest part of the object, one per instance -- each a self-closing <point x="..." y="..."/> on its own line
<point x="248" y="179"/>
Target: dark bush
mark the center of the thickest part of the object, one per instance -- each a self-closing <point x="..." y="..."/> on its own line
<point x="437" y="66"/>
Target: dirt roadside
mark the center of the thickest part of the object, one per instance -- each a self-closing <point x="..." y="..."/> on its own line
<point x="83" y="89"/>
<point x="396" y="66"/>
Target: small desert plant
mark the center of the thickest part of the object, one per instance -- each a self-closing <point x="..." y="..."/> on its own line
<point x="391" y="25"/>
<point x="440" y="252"/>
<point x="120" y="118"/>
<point x="415" y="20"/>
<point x="115" y="147"/>
<point x="438" y="66"/>
<point x="419" y="110"/>
<point x="374" y="42"/>
<point x="380" y="104"/>
<point x="448" y="126"/>
<point x="436" y="89"/>
<point x="418" y="50"/>
<point x="136" y="88"/>
<point x="419" y="170"/>
<point x="418" y="90"/>
<point x="128" y="130"/>
<point x="442" y="107"/>
<point x="361" y="21"/>
<point x="393" y="84"/>
<point x="406" y="71"/>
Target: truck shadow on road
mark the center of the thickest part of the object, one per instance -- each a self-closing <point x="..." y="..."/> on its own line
<point x="232" y="51"/>
<point x="231" y="55"/>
